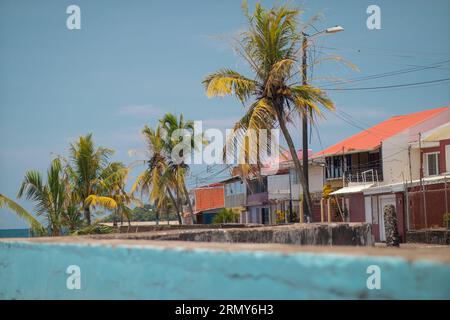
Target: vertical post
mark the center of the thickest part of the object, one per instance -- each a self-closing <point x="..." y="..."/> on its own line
<point x="410" y="216"/>
<point x="406" y="204"/>
<point x="329" y="209"/>
<point x="445" y="189"/>
<point x="290" y="194"/>
<point x="300" y="209"/>
<point x="321" y="210"/>
<point x="421" y="181"/>
<point x="305" y="132"/>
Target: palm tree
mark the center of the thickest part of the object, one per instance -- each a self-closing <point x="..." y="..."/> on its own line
<point x="88" y="167"/>
<point x="178" y="169"/>
<point x="114" y="180"/>
<point x="36" y="226"/>
<point x="50" y="197"/>
<point x="156" y="180"/>
<point x="271" y="47"/>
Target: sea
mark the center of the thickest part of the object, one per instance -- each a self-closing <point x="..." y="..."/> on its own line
<point x="15" y="233"/>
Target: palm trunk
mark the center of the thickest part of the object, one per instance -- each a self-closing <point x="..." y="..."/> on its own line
<point x="87" y="215"/>
<point x="175" y="203"/>
<point x="298" y="166"/>
<point x="115" y="218"/>
<point x="186" y="194"/>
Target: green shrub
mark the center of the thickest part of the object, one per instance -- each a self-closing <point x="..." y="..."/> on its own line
<point x="447" y="220"/>
<point x="94" y="229"/>
<point x="226" y="216"/>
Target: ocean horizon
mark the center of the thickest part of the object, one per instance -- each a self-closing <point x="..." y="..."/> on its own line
<point x="15" y="233"/>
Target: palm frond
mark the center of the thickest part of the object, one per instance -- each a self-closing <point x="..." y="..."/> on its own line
<point x="35" y="225"/>
<point x="102" y="201"/>
<point x="228" y="82"/>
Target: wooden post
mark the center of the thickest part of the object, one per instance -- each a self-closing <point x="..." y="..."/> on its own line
<point x="343" y="210"/>
<point x="329" y="209"/>
<point x="321" y="210"/>
<point x="300" y="210"/>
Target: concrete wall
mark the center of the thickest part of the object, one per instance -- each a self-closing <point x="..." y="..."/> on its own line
<point x="278" y="185"/>
<point x="396" y="159"/>
<point x="119" y="271"/>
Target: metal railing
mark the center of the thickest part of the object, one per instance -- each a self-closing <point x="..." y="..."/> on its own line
<point x="372" y="175"/>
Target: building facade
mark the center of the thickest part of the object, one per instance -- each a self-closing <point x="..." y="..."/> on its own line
<point x="388" y="164"/>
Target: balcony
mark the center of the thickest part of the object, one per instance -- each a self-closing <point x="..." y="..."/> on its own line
<point x="356" y="168"/>
<point x="364" y="175"/>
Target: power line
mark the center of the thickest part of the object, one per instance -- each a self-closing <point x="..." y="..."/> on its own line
<point x="390" y="73"/>
<point x="388" y="87"/>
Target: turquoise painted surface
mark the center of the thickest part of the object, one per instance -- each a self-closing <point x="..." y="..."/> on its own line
<point x="38" y="271"/>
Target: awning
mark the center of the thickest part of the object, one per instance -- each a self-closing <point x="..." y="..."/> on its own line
<point x="351" y="189"/>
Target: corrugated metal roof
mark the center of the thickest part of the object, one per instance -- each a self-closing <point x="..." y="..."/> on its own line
<point x="371" y="138"/>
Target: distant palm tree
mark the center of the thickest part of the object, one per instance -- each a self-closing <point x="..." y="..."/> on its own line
<point x="179" y="169"/>
<point x="114" y="180"/>
<point x="36" y="226"/>
<point x="88" y="167"/>
<point x="50" y="197"/>
<point x="271" y="47"/>
<point x="156" y="180"/>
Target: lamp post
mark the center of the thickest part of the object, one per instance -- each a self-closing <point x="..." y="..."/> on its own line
<point x="305" y="154"/>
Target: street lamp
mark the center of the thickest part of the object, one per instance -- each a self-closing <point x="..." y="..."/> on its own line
<point x="305" y="115"/>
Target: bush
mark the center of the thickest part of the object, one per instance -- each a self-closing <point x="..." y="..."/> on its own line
<point x="94" y="229"/>
<point x="226" y="216"/>
<point x="447" y="220"/>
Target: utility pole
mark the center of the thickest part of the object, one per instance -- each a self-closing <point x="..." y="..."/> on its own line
<point x="306" y="112"/>
<point x="424" y="198"/>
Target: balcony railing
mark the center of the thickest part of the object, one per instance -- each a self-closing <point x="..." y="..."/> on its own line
<point x="372" y="175"/>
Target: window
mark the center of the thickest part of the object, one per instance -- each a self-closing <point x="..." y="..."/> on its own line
<point x="432" y="164"/>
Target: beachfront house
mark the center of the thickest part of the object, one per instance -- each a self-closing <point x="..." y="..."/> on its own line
<point x="399" y="161"/>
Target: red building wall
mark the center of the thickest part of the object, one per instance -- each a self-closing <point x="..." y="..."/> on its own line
<point x="435" y="205"/>
<point x="357" y="207"/>
<point x="209" y="198"/>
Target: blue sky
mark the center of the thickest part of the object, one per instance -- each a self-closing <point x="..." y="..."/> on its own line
<point x="132" y="61"/>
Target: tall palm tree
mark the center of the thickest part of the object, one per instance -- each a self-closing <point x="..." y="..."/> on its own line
<point x="270" y="46"/>
<point x="50" y="197"/>
<point x="156" y="180"/>
<point x="36" y="226"/>
<point x="88" y="165"/>
<point x="179" y="169"/>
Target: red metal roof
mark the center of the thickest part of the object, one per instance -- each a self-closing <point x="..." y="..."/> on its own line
<point x="371" y="138"/>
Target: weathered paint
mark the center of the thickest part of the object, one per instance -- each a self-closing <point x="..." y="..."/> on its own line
<point x="37" y="271"/>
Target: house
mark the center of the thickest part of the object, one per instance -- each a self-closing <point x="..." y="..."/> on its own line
<point x="209" y="200"/>
<point x="257" y="202"/>
<point x="235" y="192"/>
<point x="285" y="191"/>
<point x="385" y="164"/>
<point x="272" y="197"/>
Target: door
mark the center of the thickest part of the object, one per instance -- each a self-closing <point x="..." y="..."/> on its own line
<point x="265" y="215"/>
<point x="384" y="201"/>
